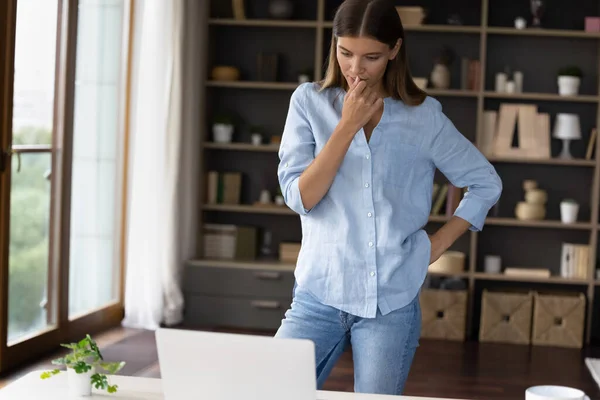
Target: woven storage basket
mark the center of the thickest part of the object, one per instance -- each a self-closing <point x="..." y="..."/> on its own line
<point x="506" y="317"/>
<point x="444" y="314"/>
<point x="558" y="320"/>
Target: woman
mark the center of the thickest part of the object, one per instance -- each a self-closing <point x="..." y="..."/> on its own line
<point x="358" y="156"/>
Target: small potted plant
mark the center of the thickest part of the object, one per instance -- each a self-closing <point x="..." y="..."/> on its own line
<point x="279" y="197"/>
<point x="83" y="365"/>
<point x="223" y="126"/>
<point x="305" y="75"/>
<point x="440" y="75"/>
<point x="568" y="211"/>
<point x="256" y="135"/>
<point x="569" y="79"/>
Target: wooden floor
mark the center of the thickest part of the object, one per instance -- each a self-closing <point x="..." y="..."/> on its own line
<point x="440" y="369"/>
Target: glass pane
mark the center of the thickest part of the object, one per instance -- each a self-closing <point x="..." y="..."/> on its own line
<point x="93" y="280"/>
<point x="33" y="105"/>
<point x="35" y="51"/>
<point x="28" y="251"/>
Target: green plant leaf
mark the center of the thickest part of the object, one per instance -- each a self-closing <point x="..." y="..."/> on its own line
<point x="94" y="346"/>
<point x="112" y="367"/>
<point x="99" y="381"/>
<point x="81" y="367"/>
<point x="72" y="346"/>
<point x="49" y="374"/>
<point x="83" y="343"/>
<point x="112" y="388"/>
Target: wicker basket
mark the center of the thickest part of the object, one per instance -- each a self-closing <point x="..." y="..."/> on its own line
<point x="558" y="320"/>
<point x="506" y="317"/>
<point x="444" y="314"/>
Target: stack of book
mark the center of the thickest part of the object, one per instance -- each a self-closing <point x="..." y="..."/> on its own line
<point x="575" y="259"/>
<point x="448" y="195"/>
<point x="222" y="241"/>
<point x="223" y="187"/>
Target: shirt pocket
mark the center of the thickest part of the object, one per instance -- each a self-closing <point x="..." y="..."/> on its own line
<point x="398" y="163"/>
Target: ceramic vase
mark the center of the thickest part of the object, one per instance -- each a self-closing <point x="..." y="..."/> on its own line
<point x="80" y="385"/>
<point x="568" y="85"/>
<point x="440" y="77"/>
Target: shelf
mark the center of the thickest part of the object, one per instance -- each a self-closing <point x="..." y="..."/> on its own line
<point x="541" y="97"/>
<point x="576" y="162"/>
<point x="274" y="265"/>
<point x="537" y="224"/>
<point x="553" y="279"/>
<point x="565" y="33"/>
<point x="243" y="208"/>
<point x="242" y="147"/>
<point x="444" y="28"/>
<point x="432" y="28"/>
<point x="450" y="275"/>
<point x="283" y="210"/>
<point x="253" y="85"/>
<point x="263" y="23"/>
<point x="451" y="92"/>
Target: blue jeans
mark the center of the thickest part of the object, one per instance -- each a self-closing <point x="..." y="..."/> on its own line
<point x="382" y="347"/>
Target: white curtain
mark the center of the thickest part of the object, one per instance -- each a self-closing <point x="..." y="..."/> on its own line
<point x="164" y="155"/>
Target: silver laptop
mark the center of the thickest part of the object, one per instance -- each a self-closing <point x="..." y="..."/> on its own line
<point x="226" y="366"/>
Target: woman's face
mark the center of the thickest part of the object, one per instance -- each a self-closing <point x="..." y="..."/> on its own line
<point x="364" y="58"/>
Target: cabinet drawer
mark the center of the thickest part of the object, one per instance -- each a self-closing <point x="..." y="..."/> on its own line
<point x="259" y="313"/>
<point x="232" y="281"/>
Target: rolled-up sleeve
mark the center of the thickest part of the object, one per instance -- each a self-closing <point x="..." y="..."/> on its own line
<point x="465" y="166"/>
<point x="296" y="151"/>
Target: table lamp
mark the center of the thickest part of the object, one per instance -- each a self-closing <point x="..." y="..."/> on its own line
<point x="567" y="128"/>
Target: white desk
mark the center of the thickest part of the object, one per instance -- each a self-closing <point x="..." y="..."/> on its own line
<point x="133" y="388"/>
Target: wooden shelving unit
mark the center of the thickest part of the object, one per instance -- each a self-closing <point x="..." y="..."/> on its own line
<point x="266" y="103"/>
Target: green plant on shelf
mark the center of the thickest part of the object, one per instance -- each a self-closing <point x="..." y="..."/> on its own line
<point x="85" y="356"/>
<point x="571" y="70"/>
<point x="225" y="119"/>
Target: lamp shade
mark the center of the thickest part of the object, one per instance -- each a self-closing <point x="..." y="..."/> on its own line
<point x="567" y="126"/>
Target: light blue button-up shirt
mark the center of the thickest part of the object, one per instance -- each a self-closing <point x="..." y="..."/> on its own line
<point x="363" y="245"/>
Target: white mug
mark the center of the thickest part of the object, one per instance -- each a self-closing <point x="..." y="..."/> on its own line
<point x="550" y="392"/>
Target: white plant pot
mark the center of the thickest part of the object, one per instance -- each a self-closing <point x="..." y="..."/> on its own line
<point x="303" y="78"/>
<point x="568" y="85"/>
<point x="256" y="139"/>
<point x="222" y="133"/>
<point x="440" y="77"/>
<point x="568" y="212"/>
<point x="80" y="384"/>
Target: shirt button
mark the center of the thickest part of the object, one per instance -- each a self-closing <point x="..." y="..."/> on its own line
<point x="367" y="156"/>
<point x="370" y="244"/>
<point x="369" y="215"/>
<point x="372" y="273"/>
<point x="286" y="164"/>
<point x="367" y="184"/>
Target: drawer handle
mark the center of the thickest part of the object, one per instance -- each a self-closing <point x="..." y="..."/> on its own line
<point x="267" y="275"/>
<point x="271" y="305"/>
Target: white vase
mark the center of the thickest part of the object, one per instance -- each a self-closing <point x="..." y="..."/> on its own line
<point x="568" y="85"/>
<point x="440" y="76"/>
<point x="80" y="384"/>
<point x="256" y="139"/>
<point x="568" y="212"/>
<point x="222" y="133"/>
<point x="303" y="78"/>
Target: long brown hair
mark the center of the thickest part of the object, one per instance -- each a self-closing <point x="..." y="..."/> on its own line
<point x="379" y="20"/>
